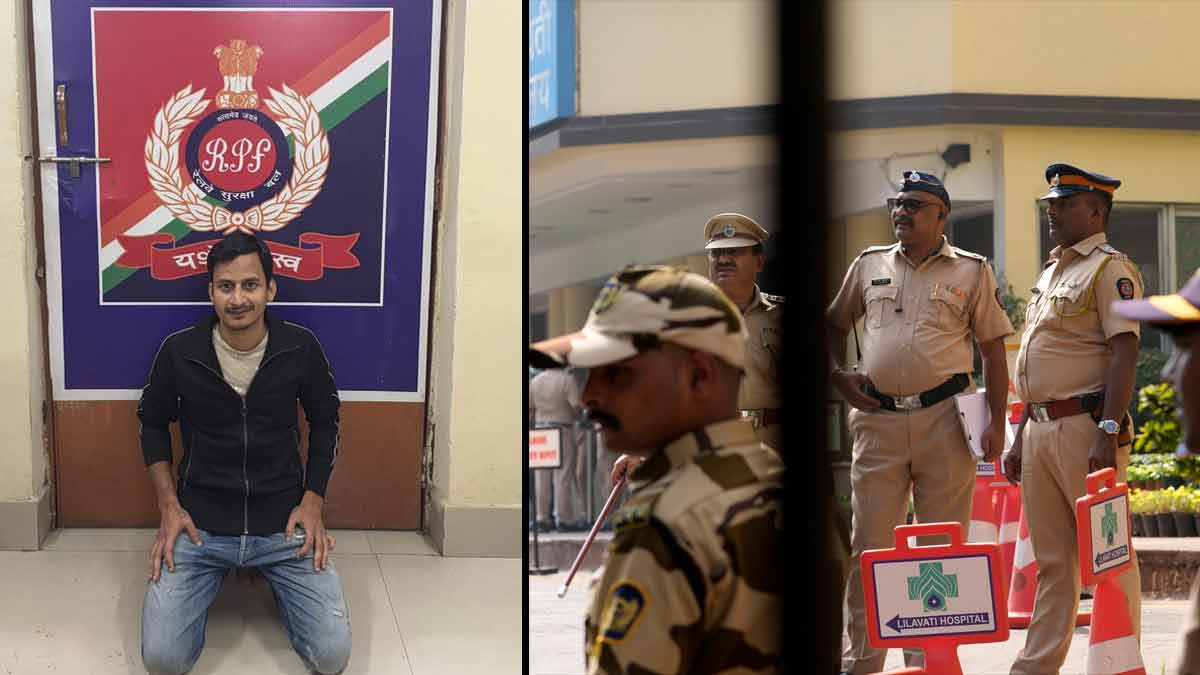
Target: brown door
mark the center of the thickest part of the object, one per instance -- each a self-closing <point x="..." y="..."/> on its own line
<point x="162" y="130"/>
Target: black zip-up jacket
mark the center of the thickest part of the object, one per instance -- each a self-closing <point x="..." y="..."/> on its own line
<point x="240" y="472"/>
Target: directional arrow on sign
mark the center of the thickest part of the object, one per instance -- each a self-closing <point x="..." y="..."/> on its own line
<point x="901" y="623"/>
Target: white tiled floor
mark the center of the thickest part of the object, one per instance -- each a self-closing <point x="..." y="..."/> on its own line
<point x="75" y="607"/>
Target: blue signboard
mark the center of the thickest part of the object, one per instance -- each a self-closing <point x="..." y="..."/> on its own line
<point x="551" y="60"/>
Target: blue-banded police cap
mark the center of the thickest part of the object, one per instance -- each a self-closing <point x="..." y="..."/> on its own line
<point x="1066" y="180"/>
<point x="920" y="181"/>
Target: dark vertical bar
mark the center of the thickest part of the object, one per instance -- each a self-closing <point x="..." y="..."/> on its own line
<point x="812" y="577"/>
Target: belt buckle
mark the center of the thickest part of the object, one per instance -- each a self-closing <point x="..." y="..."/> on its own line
<point x="1039" y="413"/>
<point x="910" y="402"/>
<point x="755" y="417"/>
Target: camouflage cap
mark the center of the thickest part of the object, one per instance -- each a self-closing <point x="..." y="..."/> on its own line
<point x="731" y="230"/>
<point x="641" y="306"/>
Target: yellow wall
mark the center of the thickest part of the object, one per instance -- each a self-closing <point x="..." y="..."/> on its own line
<point x="1129" y="48"/>
<point x="476" y="491"/>
<point x="660" y="55"/>
<point x="1154" y="166"/>
<point x="1134" y="48"/>
<point x="871" y="41"/>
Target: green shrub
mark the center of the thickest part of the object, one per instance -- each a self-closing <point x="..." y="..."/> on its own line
<point x="1014" y="305"/>
<point x="1160" y="432"/>
<point x="1149" y="368"/>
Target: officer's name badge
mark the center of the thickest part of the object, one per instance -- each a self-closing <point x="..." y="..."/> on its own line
<point x="624" y="608"/>
<point x="884" y="281"/>
<point x="631" y="518"/>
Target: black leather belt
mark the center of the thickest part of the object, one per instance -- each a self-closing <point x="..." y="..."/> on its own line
<point x="925" y="399"/>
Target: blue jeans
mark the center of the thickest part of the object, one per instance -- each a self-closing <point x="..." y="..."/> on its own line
<point x="311" y="604"/>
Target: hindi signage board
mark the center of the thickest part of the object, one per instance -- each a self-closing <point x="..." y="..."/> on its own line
<point x="551" y="60"/>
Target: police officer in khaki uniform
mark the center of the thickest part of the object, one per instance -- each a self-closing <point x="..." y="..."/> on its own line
<point x="1075" y="371"/>
<point x="734" y="244"/>
<point x="692" y="578"/>
<point x="735" y="258"/>
<point x="1178" y="315"/>
<point x="924" y="301"/>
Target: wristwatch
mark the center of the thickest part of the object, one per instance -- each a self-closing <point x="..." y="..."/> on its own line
<point x="1109" y="427"/>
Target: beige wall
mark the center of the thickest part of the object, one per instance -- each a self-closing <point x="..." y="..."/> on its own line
<point x="475" y="496"/>
<point x="659" y="55"/>
<point x="23" y="454"/>
<point x="1129" y="48"/>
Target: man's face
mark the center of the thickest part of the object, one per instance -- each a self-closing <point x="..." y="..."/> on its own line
<point x="1183" y="372"/>
<point x="634" y="400"/>
<point x="240" y="292"/>
<point x="735" y="270"/>
<point x="916" y="219"/>
<point x="1072" y="219"/>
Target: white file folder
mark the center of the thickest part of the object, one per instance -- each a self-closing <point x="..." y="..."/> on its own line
<point x="975" y="416"/>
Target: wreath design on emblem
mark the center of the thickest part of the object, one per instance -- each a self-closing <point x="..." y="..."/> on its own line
<point x="293" y="112"/>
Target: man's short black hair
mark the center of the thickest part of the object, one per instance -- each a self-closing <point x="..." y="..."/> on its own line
<point x="757" y="249"/>
<point x="237" y="245"/>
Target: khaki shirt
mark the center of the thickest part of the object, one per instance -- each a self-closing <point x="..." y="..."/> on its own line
<point x="943" y="302"/>
<point x="764" y="323"/>
<point x="692" y="580"/>
<point x="554" y="397"/>
<point x="1069" y="321"/>
<point x="760" y="387"/>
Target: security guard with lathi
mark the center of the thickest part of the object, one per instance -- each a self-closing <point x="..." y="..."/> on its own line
<point x="691" y="581"/>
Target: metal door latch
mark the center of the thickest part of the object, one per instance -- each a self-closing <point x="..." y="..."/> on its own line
<point x="75" y="162"/>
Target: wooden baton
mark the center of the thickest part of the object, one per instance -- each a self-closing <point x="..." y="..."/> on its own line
<point x="612" y="499"/>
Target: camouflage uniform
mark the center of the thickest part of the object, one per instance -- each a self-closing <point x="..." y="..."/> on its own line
<point x="692" y="582"/>
<point x="692" y="578"/>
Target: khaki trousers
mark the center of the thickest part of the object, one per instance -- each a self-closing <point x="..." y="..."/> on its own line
<point x="923" y="452"/>
<point x="1189" y="660"/>
<point x="1054" y="468"/>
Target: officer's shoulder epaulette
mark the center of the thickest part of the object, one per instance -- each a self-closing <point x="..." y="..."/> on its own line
<point x="633" y="517"/>
<point x="777" y="299"/>
<point x="1107" y="248"/>
<point x="969" y="254"/>
<point x="876" y="249"/>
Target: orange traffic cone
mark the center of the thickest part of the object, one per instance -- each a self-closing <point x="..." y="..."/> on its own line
<point x="1112" y="646"/>
<point x="1023" y="589"/>
<point x="985" y="524"/>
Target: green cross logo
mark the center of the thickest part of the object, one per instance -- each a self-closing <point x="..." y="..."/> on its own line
<point x="932" y="587"/>
<point x="1108" y="523"/>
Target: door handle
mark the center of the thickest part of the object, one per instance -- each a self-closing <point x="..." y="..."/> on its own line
<point x="75" y="162"/>
<point x="60" y="104"/>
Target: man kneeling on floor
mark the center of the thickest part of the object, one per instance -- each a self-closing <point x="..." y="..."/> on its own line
<point x="242" y="500"/>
